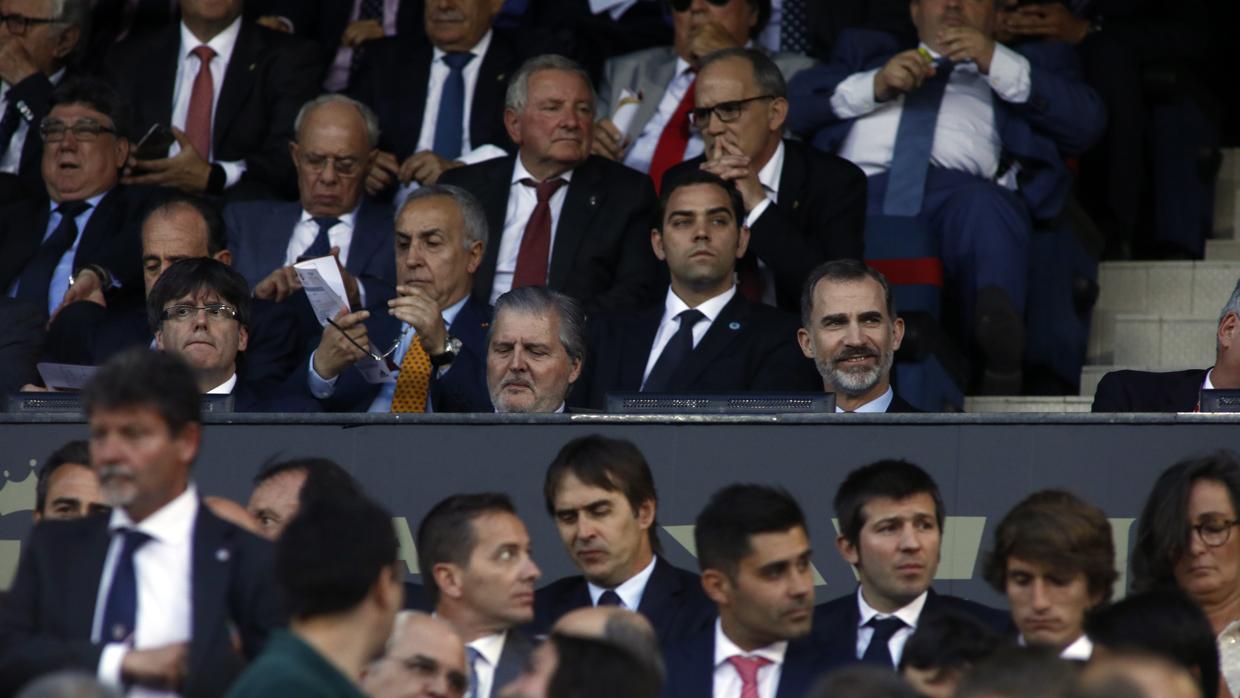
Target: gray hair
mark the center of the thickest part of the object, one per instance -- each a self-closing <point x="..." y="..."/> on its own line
<point x="766" y="75"/>
<point x="1232" y="306"/>
<point x="518" y="94"/>
<point x="368" y="115"/>
<point x="67" y="684"/>
<point x="74" y="13"/>
<point x="625" y="632"/>
<point x="472" y="213"/>
<point x="540" y="300"/>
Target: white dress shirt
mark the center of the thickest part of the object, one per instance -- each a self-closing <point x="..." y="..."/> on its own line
<point x="965" y="135"/>
<point x="727" y="681"/>
<point x="304" y="233"/>
<point x="187" y="70"/>
<point x="63" y="271"/>
<point x="489" y="650"/>
<point x="521" y="203"/>
<point x="878" y="405"/>
<point x="434" y="92"/>
<point x="630" y="591"/>
<point x="1079" y="650"/>
<point x="769" y="177"/>
<point x="642" y="150"/>
<point x="226" y="387"/>
<point x="669" y="326"/>
<point x="338" y="71"/>
<point x="11" y="163"/>
<point x="163" y="569"/>
<point x="1229" y="656"/>
<point x="909" y="614"/>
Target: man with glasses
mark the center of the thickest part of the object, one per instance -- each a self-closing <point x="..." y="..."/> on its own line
<point x="425" y="658"/>
<point x="803" y="206"/>
<point x="335" y="146"/>
<point x="663" y="81"/>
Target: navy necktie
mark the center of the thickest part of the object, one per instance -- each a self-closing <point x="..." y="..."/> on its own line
<point x="674" y="354"/>
<point x="8" y="124"/>
<point x="120" y="611"/>
<point x="449" y="124"/>
<point x="878" y="652"/>
<point x="472" y="657"/>
<point x="792" y="23"/>
<point x="906" y="183"/>
<point x="322" y="245"/>
<point x="36" y="277"/>
<point x="610" y="598"/>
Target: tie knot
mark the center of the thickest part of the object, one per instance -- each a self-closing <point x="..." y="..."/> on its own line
<point x="133" y="538"/>
<point x="544" y="190"/>
<point x="690" y="317"/>
<point x="748" y="667"/>
<point x="205" y="53"/>
<point x="610" y="598"/>
<point x="72" y="209"/>
<point x="457" y="60"/>
<point x="885" y="628"/>
<point x="325" y="223"/>
<point x="472" y="654"/>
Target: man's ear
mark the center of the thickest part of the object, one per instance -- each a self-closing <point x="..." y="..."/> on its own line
<point x="848" y="551"/>
<point x="717" y="586"/>
<point x="656" y="243"/>
<point x="448" y="580"/>
<point x="646" y="514"/>
<point x="512" y="124"/>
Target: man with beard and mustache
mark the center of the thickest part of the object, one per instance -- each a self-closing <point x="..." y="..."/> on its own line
<point x="850" y="329"/>
<point x="160" y="596"/>
<point x="535" y="350"/>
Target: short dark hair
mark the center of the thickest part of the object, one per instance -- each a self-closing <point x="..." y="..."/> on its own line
<point x="188" y="276"/>
<point x="217" y="232"/>
<point x="139" y="377"/>
<point x="324" y="478"/>
<point x="737" y="512"/>
<point x="447" y="534"/>
<point x="1019" y="672"/>
<point x="862" y="681"/>
<point x="890" y="479"/>
<point x="1058" y="529"/>
<point x="949" y="640"/>
<point x="694" y="176"/>
<point x="73" y="452"/>
<point x="1163" y="528"/>
<point x="842" y="270"/>
<point x="97" y="95"/>
<point x="1165" y="623"/>
<point x="766" y="75"/>
<point x="331" y="553"/>
<point x="614" y="465"/>
<point x="600" y="669"/>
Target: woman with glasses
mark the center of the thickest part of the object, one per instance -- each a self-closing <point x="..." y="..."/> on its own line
<point x="1186" y="539"/>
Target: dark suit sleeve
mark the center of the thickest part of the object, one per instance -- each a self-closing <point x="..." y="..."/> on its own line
<point x="782" y="367"/>
<point x="1111" y="395"/>
<point x="254" y="599"/>
<point x="292" y="80"/>
<point x="809" y="91"/>
<point x="463" y="387"/>
<point x="20" y="342"/>
<point x="1061" y="105"/>
<point x="635" y="282"/>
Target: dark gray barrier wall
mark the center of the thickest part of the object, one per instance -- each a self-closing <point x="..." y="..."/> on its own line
<point x="983" y="463"/>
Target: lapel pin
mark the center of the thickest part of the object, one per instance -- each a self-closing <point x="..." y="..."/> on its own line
<point x="222" y="555"/>
<point x="501" y="77"/>
<point x="796" y="204"/>
<point x="593" y="200"/>
<point x="253" y="66"/>
<point x="734" y="326"/>
<point x="484" y="325"/>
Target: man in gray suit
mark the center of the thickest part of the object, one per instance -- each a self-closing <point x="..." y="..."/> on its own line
<point x="662" y="79"/>
<point x="474" y="554"/>
<point x="336" y="139"/>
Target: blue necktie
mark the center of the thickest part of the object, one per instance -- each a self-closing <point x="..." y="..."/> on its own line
<point x="472" y="655"/>
<point x="674" y="354"/>
<point x="449" y="125"/>
<point x="792" y="33"/>
<point x="322" y="246"/>
<point x="120" y="611"/>
<point x="906" y="183"/>
<point x="36" y="277"/>
<point x="610" y="598"/>
<point x="879" y="651"/>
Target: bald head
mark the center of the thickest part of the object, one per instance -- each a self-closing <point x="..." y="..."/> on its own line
<point x="425" y="658"/>
<point x="623" y="628"/>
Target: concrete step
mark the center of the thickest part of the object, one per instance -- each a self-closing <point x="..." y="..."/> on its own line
<point x="1183" y="289"/>
<point x="1223" y="250"/>
<point x="1053" y="404"/>
<point x="1092" y="374"/>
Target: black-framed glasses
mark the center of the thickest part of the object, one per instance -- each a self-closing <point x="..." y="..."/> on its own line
<point x="727" y="112"/>
<point x="345" y="167"/>
<point x="216" y="312"/>
<point x="84" y="130"/>
<point x="1214" y="532"/>
<point x="367" y="350"/>
<point x="682" y="5"/>
<point x="18" y="24"/>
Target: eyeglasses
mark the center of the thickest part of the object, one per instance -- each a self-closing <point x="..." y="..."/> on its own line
<point x="682" y="5"/>
<point x="419" y="665"/>
<point x="1214" y="533"/>
<point x="369" y="352"/>
<point x="345" y="167"/>
<point x="85" y="131"/>
<point x="216" y="312"/>
<point x="17" y="24"/>
<point x="727" y="112"/>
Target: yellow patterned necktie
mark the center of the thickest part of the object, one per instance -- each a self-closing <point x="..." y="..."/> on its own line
<point x="414" y="380"/>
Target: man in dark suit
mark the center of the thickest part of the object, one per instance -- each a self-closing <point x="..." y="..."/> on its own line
<point x="231" y="113"/>
<point x="433" y="335"/>
<point x="161" y="593"/>
<point x="563" y="218"/>
<point x="601" y="494"/>
<point x="802" y="206"/>
<point x="459" y="117"/>
<point x="706" y="336"/>
<point x="754" y="551"/>
<point x="850" y="329"/>
<point x="474" y="555"/>
<point x="336" y="138"/>
<point x="535" y="350"/>
<point x="20" y="343"/>
<point x="891" y="526"/>
<point x="971" y="150"/>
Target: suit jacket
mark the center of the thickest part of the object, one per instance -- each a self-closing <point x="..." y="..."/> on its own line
<point x="691" y="667"/>
<point x="269" y="77"/>
<point x="1144" y="391"/>
<point x="259" y="231"/>
<point x="512" y="659"/>
<point x="46" y="623"/>
<point x="828" y="19"/>
<point x="601" y="255"/>
<point x="35" y="94"/>
<point x="571" y="28"/>
<point x="836" y="621"/>
<point x="673" y="601"/>
<point x="899" y="406"/>
<point x="324" y="21"/>
<point x="401" y="104"/>
<point x="649" y="72"/>
<point x="1062" y="115"/>
<point x="820" y="216"/>
<point x="749" y="347"/>
<point x="463" y="388"/>
<point x="20" y="342"/>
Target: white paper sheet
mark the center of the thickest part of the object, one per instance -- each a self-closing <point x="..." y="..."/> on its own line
<point x="324" y="286"/>
<point x="65" y="376"/>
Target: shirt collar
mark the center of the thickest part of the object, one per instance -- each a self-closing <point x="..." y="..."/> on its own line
<point x="226" y="387"/>
<point x="1081" y="650"/>
<point x="172" y="523"/>
<point x="221" y="43"/>
<point x="725" y="648"/>
<point x="93" y="201"/>
<point x="519" y="172"/>
<point x="772" y="171"/>
<point x="877" y="405"/>
<point x="630" y="591"/>
<point x="909" y="614"/>
<point x="682" y="67"/>
<point x="346" y="218"/>
<point x="479" y="49"/>
<point x="674" y="306"/>
<point x="490" y="647"/>
<point x="1207" y="384"/>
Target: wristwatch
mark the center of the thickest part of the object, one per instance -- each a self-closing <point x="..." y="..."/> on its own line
<point x="451" y="348"/>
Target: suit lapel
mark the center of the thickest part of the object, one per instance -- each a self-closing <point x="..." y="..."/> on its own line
<point x="722" y="333"/>
<point x="238" y="80"/>
<point x="659" y="596"/>
<point x="638" y="342"/>
<point x="584" y="199"/>
<point x="158" y="93"/>
<point x="102" y="224"/>
<point x="800" y="668"/>
<point x="274" y="248"/>
<point x="652" y="82"/>
<point x="494" y="197"/>
<point x="209" y="575"/>
<point x="87" y="571"/>
<point x="511" y="660"/>
<point x="793" y="180"/>
<point x="412" y="102"/>
<point x="489" y="90"/>
<point x="368" y="227"/>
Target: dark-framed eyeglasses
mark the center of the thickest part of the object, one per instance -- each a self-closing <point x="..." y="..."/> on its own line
<point x="216" y="312"/>
<point x="682" y="5"/>
<point x="1214" y="532"/>
<point x="727" y="112"/>
<point x="345" y="167"/>
<point x="84" y="130"/>
<point x="369" y="352"/>
<point x="18" y="24"/>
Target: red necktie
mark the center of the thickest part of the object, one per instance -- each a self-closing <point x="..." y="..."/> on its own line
<point x="198" y="120"/>
<point x="748" y="668"/>
<point x="670" y="150"/>
<point x="532" y="257"/>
